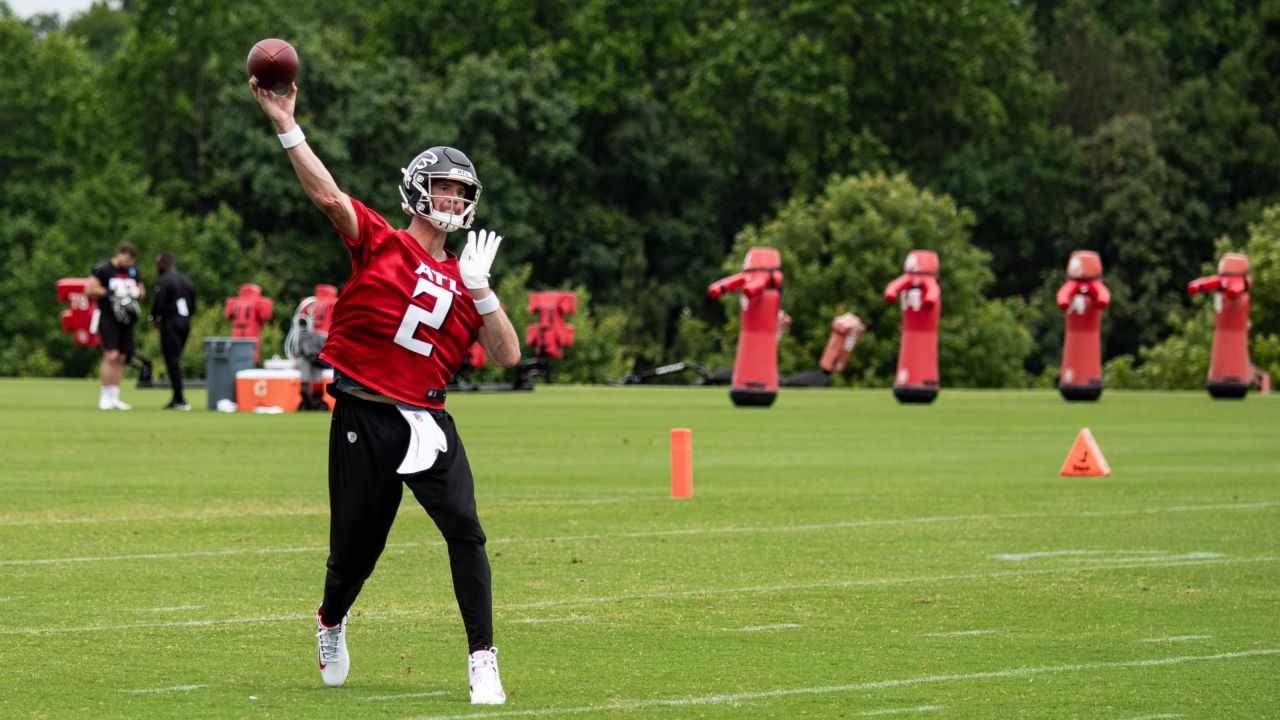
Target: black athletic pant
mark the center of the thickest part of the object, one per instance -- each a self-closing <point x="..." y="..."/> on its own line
<point x="367" y="441"/>
<point x="173" y="337"/>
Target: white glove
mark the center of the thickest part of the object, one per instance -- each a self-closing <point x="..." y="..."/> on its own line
<point x="477" y="257"/>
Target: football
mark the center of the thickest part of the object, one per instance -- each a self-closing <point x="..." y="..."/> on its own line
<point x="274" y="63"/>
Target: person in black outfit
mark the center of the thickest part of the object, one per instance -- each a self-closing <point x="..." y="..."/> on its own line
<point x="118" y="288"/>
<point x="171" y="313"/>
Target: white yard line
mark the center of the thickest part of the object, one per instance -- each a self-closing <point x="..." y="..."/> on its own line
<point x="960" y="633"/>
<point x="1064" y="553"/>
<point x="571" y="618"/>
<point x="700" y="593"/>
<point x="763" y="628"/>
<point x="1092" y="555"/>
<point x="1161" y="716"/>
<point x="1177" y="638"/>
<point x="641" y="705"/>
<point x="175" y="608"/>
<point x="873" y="685"/>
<point x="174" y="688"/>
<point x="880" y="582"/>
<point x="683" y="532"/>
<point x="232" y="514"/>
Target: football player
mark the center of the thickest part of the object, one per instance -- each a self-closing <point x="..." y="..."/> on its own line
<point x="402" y="327"/>
<point x="116" y="284"/>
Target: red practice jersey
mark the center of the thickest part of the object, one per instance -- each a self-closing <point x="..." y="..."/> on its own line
<point x="404" y="322"/>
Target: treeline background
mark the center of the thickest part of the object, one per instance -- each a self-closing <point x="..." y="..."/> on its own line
<point x="633" y="151"/>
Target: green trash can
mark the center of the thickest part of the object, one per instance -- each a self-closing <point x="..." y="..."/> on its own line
<point x="223" y="358"/>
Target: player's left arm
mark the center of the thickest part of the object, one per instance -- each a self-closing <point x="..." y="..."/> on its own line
<point x="497" y="336"/>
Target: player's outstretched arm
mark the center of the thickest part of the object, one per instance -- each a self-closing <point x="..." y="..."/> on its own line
<point x="314" y="176"/>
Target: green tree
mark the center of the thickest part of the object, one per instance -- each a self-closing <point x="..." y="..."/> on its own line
<point x="840" y="250"/>
<point x="1181" y="359"/>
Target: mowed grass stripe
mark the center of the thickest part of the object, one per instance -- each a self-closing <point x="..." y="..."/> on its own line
<point x="927" y="495"/>
<point x="319" y="511"/>
<point x="697" y="593"/>
<point x="721" y="699"/>
<point x="690" y="532"/>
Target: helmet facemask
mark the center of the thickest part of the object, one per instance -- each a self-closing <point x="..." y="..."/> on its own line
<point x="418" y="194"/>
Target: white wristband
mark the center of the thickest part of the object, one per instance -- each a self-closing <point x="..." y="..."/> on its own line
<point x="292" y="138"/>
<point x="489" y="304"/>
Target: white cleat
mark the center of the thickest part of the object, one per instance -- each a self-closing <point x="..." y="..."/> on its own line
<point x="332" y="652"/>
<point x="118" y="404"/>
<point x="104" y="403"/>
<point x="486" y="686"/>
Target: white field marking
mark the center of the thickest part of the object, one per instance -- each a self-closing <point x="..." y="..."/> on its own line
<point x="175" y="608"/>
<point x="658" y="533"/>
<point x="1089" y="555"/>
<point x="174" y="688"/>
<point x="28" y="522"/>
<point x="1060" y="553"/>
<point x="705" y="592"/>
<point x="535" y="502"/>
<point x="899" y="711"/>
<point x="959" y="633"/>
<point x="874" y="685"/>
<point x="232" y="514"/>
<point x="877" y="582"/>
<point x="1161" y="716"/>
<point x="642" y="704"/>
<point x="1194" y="555"/>
<point x="1177" y="638"/>
<point x="881" y="522"/>
<point x="762" y="628"/>
<point x="177" y="556"/>
<point x="402" y="696"/>
<point x="571" y="618"/>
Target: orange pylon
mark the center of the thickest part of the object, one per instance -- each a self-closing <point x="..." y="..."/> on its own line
<point x="1085" y="458"/>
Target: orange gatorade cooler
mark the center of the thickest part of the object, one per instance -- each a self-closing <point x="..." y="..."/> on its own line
<point x="268" y="389"/>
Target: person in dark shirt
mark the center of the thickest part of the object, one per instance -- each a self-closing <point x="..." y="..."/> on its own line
<point x="116" y="285"/>
<point x="171" y="313"/>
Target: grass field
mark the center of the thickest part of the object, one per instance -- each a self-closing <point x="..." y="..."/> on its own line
<point x="843" y="556"/>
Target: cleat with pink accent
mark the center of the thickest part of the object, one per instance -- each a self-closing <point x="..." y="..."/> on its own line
<point x="332" y="654"/>
<point x="486" y="686"/>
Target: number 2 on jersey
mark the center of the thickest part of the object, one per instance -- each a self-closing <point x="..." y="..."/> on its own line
<point x="415" y="316"/>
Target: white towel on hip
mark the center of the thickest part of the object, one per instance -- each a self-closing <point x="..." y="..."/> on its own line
<point x="426" y="440"/>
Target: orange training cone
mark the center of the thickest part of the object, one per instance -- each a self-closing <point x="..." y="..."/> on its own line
<point x="681" y="463"/>
<point x="1085" y="459"/>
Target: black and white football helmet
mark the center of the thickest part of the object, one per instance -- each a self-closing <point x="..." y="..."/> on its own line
<point x="440" y="163"/>
<point x="125" y="308"/>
